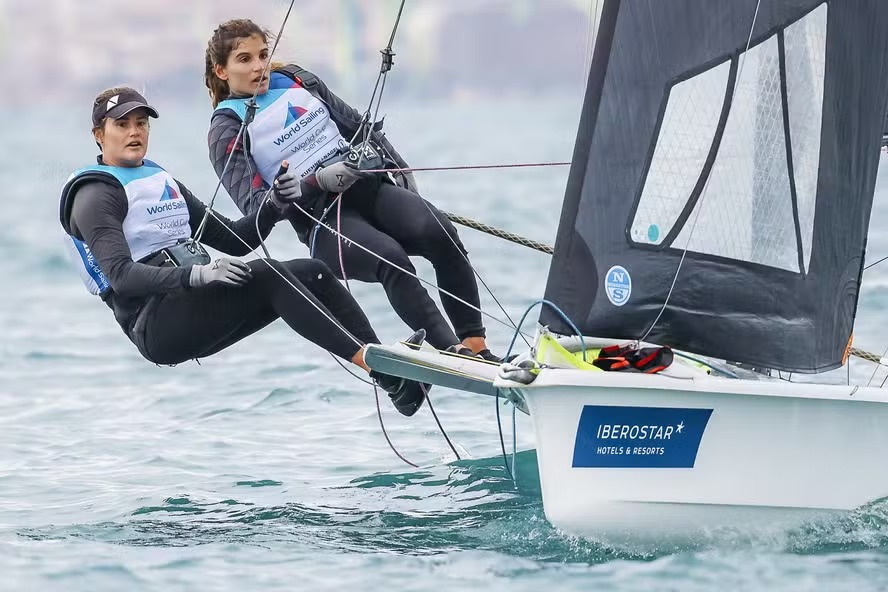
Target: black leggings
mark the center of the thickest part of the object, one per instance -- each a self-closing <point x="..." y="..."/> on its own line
<point x="396" y="223"/>
<point x="200" y="322"/>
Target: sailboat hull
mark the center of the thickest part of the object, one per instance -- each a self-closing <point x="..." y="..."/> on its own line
<point x="680" y="455"/>
<point x="770" y="454"/>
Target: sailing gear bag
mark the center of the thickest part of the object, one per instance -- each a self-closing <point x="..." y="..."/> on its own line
<point x="625" y="357"/>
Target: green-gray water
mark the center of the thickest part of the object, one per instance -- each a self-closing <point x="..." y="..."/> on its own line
<point x="264" y="467"/>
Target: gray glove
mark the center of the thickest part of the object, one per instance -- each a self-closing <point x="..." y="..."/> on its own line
<point x="230" y="272"/>
<point x="287" y="189"/>
<point x="339" y="176"/>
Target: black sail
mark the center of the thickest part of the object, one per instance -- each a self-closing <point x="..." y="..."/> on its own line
<point x="755" y="166"/>
<point x="885" y="133"/>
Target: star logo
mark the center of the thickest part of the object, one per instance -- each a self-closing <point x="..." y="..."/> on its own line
<point x="680" y="427"/>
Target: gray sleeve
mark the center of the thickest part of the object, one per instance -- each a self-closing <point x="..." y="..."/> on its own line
<point x="241" y="180"/>
<point x="97" y="218"/>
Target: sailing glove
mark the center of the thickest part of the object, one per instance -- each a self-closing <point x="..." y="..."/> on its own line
<point x="339" y="176"/>
<point x="287" y="189"/>
<point x="223" y="271"/>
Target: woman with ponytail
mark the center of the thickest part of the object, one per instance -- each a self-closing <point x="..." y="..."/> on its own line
<point x="299" y="120"/>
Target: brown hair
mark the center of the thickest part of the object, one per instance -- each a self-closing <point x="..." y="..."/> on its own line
<point x="222" y="43"/>
<point x="104" y="96"/>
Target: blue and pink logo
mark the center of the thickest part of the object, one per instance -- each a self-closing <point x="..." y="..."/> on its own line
<point x="169" y="193"/>
<point x="294" y="112"/>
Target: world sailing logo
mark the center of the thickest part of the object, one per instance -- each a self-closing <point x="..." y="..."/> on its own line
<point x="169" y="201"/>
<point x="294" y="112"/>
<point x="297" y="119"/>
<point x="618" y="285"/>
<point x="168" y="193"/>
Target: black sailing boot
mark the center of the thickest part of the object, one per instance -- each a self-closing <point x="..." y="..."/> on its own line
<point x="406" y="395"/>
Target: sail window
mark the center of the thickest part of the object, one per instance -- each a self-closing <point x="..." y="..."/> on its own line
<point x="686" y="135"/>
<point x="755" y="203"/>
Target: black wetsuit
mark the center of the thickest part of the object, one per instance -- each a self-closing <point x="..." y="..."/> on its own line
<point x="386" y="219"/>
<point x="170" y="322"/>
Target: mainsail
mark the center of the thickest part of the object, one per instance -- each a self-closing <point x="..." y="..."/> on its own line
<point x="738" y="141"/>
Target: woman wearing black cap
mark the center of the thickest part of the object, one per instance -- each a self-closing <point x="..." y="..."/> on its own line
<point x="130" y="225"/>
<point x="299" y="119"/>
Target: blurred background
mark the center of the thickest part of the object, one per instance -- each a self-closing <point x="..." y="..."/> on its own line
<point x="444" y="49"/>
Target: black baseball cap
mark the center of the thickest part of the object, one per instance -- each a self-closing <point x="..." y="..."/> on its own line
<point x="119" y="105"/>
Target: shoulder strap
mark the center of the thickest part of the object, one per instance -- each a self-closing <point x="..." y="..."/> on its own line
<point x="300" y="75"/>
<point x="66" y="202"/>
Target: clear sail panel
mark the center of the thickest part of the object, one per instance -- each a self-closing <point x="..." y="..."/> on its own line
<point x="744" y="210"/>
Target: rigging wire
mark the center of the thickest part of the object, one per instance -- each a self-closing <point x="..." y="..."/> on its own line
<point x="387" y="62"/>
<point x="336" y="323"/>
<point x="876" y="369"/>
<point x="368" y="124"/>
<point x="251" y="111"/>
<point x="470" y="167"/>
<point x="440" y="290"/>
<point x="375" y="390"/>
<point x="499" y="424"/>
<point x="704" y="191"/>
<point x="876" y="263"/>
<point x="591" y="37"/>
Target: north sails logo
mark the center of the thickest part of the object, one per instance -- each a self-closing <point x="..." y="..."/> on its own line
<point x="294" y="112"/>
<point x="112" y="102"/>
<point x="169" y="201"/>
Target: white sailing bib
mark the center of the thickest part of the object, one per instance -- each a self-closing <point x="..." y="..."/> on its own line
<point x="292" y="125"/>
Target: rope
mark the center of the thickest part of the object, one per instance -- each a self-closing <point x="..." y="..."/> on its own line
<point x="499" y="233"/>
<point x="514" y="238"/>
<point x="704" y="192"/>
<point x="387" y="62"/>
<point x="251" y="107"/>
<point x="286" y="280"/>
<point x="385" y="433"/>
<point x="470" y="167"/>
<point x="326" y="226"/>
<point x="499" y="424"/>
<point x="438" y="421"/>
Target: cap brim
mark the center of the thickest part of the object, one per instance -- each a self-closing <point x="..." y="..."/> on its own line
<point x="125" y="108"/>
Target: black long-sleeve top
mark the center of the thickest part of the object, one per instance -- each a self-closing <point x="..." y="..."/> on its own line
<point x="97" y="214"/>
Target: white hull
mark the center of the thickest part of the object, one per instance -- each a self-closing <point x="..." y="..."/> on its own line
<point x="750" y="454"/>
<point x="770" y="452"/>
